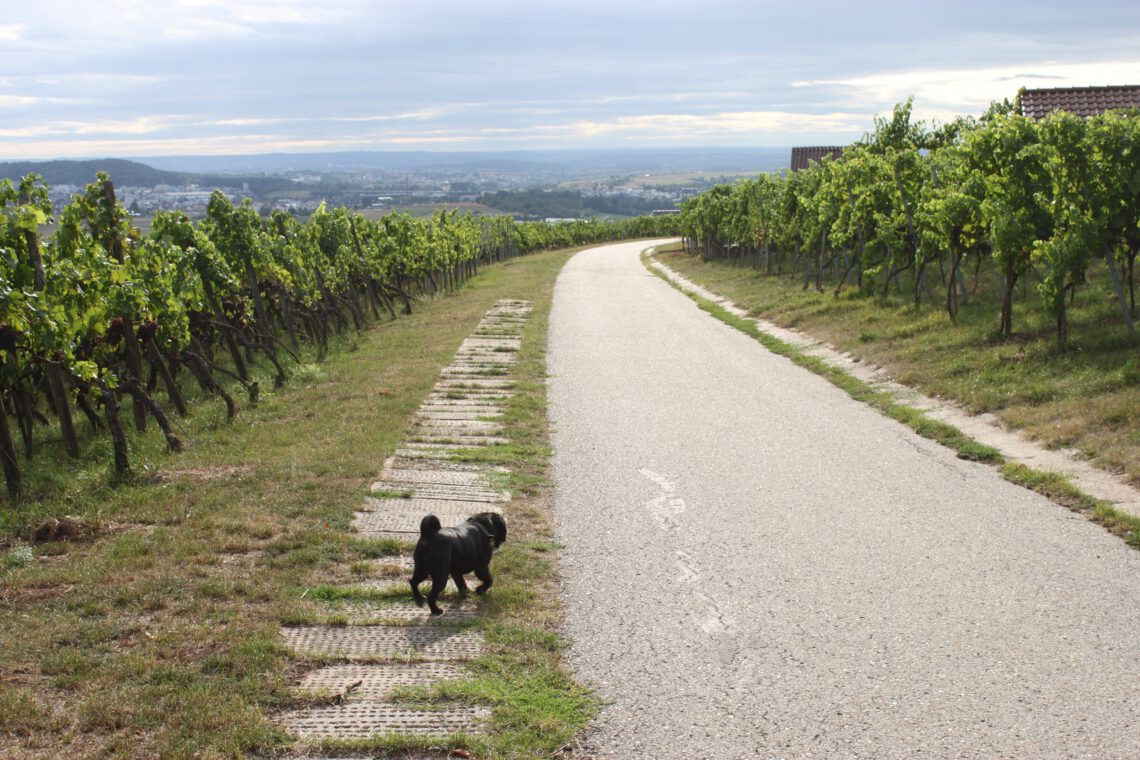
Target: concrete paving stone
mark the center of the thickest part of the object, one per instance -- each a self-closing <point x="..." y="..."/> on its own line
<point x="429" y="448"/>
<point x="422" y="506"/>
<point x="449" y="418"/>
<point x="490" y="405"/>
<point x="427" y="462"/>
<point x="406" y="524"/>
<point x="384" y="641"/>
<point x="456" y="400"/>
<point x="487" y="353"/>
<point x="460" y="441"/>
<point x="432" y="454"/>
<point x="452" y="428"/>
<point x="477" y="409"/>
<point x="473" y="396"/>
<point x="476" y="365"/>
<point x="375" y="681"/>
<point x="465" y="427"/>
<point x="360" y="720"/>
<point x="470" y="396"/>
<point x="391" y="476"/>
<point x="493" y="358"/>
<point x="483" y="341"/>
<point x="478" y="370"/>
<point x="441" y="492"/>
<point x="469" y="426"/>
<point x="490" y="345"/>
<point x="476" y="383"/>
<point x="455" y="609"/>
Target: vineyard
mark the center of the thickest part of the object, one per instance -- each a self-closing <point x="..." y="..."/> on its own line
<point x="915" y="209"/>
<point x="97" y="316"/>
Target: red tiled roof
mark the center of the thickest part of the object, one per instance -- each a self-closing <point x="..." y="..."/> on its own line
<point x="1082" y="101"/>
<point x="802" y="158"/>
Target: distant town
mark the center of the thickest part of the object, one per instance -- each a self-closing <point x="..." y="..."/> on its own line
<point x="537" y="187"/>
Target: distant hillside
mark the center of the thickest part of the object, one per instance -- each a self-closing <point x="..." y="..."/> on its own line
<point x="567" y="203"/>
<point x="82" y="172"/>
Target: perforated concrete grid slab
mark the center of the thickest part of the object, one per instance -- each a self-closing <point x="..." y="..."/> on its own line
<point x="464" y="426"/>
<point x="429" y="455"/>
<point x="423" y="505"/>
<point x="460" y="441"/>
<point x="406" y="524"/>
<point x="373" y="682"/>
<point x="434" y="642"/>
<point x="456" y="412"/>
<point x="459" y="403"/>
<point x="475" y="399"/>
<point x="455" y="610"/>
<point x="442" y="491"/>
<point x="473" y="361"/>
<point x="427" y="449"/>
<point x="421" y="461"/>
<point x="476" y="384"/>
<point x="481" y="369"/>
<point x="489" y="344"/>
<point x="454" y="477"/>
<point x="360" y="720"/>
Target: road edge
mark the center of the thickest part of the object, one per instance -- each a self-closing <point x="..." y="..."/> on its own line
<point x="1058" y="488"/>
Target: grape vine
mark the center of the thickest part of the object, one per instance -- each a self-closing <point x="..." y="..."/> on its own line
<point x="98" y="313"/>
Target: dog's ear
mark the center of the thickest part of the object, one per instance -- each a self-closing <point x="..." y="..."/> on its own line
<point x="500" y="530"/>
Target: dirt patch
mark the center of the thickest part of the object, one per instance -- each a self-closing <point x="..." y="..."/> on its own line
<point x="206" y="474"/>
<point x="65" y="529"/>
<point x="33" y="592"/>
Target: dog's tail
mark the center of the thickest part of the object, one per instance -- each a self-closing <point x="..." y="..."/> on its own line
<point x="429" y="526"/>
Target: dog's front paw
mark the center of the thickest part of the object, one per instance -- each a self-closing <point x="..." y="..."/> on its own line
<point x="437" y="611"/>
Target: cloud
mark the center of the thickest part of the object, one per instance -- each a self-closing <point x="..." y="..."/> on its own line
<point x="108" y="127"/>
<point x="166" y="76"/>
<point x="23" y="101"/>
<point x="971" y="90"/>
<point x="751" y="126"/>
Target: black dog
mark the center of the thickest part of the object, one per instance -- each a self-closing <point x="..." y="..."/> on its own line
<point x="465" y="548"/>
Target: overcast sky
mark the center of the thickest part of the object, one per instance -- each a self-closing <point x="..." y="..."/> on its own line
<point x="126" y="78"/>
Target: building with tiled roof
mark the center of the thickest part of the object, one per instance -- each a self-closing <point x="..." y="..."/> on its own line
<point x="1082" y="101"/>
<point x="802" y="158"/>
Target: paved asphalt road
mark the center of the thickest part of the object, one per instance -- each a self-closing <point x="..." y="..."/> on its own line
<point x="757" y="566"/>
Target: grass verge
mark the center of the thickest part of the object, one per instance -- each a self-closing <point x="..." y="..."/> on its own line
<point x="157" y="635"/>
<point x="1055" y="487"/>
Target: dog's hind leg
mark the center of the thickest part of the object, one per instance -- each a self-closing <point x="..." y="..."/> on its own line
<point x="438" y="582"/>
<point x="460" y="583"/>
<point x="418" y="577"/>
<point x="484" y="576"/>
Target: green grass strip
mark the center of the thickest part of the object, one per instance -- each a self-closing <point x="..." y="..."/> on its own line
<point x="1061" y="490"/>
